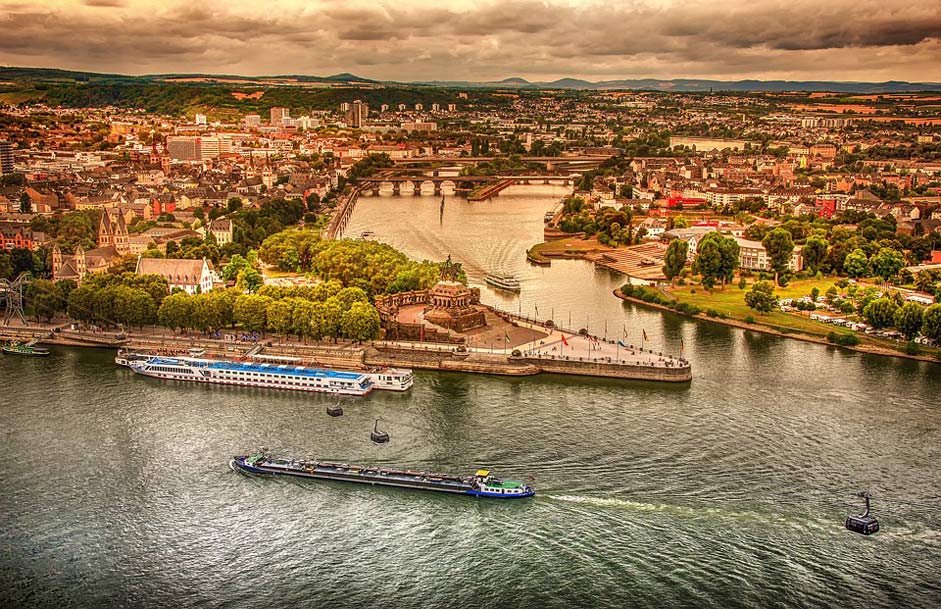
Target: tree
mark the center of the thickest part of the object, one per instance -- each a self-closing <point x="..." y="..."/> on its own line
<point x="887" y="263"/>
<point x="814" y="293"/>
<point x="313" y="201"/>
<point x="908" y="319"/>
<point x="761" y="297"/>
<point x="931" y="322"/>
<point x="925" y="281"/>
<point x="249" y="280"/>
<point x="80" y="304"/>
<point x="251" y="311"/>
<point x="814" y="253"/>
<point x="237" y="264"/>
<point x="675" y="259"/>
<point x="234" y="204"/>
<point x="856" y="264"/>
<point x="779" y="246"/>
<point x="134" y="306"/>
<point x="46" y="298"/>
<point x="330" y="314"/>
<point x="26" y="204"/>
<point x="176" y="311"/>
<point x="880" y="313"/>
<point x="716" y="259"/>
<point x="279" y="317"/>
<point x="360" y="322"/>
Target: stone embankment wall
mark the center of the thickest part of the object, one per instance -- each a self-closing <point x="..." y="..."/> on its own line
<point x="486" y="363"/>
<point x="619" y="371"/>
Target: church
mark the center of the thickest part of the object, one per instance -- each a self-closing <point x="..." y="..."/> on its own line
<point x="113" y="245"/>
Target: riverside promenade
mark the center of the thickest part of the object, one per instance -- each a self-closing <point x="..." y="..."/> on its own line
<point x="581" y="357"/>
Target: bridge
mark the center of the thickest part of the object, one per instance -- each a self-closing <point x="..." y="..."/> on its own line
<point x="583" y="162"/>
<point x="415" y="182"/>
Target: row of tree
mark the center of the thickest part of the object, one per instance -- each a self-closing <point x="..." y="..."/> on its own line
<point x="374" y="267"/>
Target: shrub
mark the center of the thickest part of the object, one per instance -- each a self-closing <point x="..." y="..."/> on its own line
<point x="911" y="348"/>
<point x="712" y="313"/>
<point x="843" y="339"/>
<point x="692" y="291"/>
<point x="742" y="283"/>
<point x="749" y="319"/>
<point x="681" y="282"/>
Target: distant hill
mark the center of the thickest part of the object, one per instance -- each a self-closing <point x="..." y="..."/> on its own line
<point x="38" y="75"/>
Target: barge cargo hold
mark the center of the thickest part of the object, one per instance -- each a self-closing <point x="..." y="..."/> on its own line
<point x="481" y="484"/>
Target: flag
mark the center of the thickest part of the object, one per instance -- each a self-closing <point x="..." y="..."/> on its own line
<point x="565" y="342"/>
<point x="621" y="344"/>
<point x="507" y="336"/>
<point x="645" y="334"/>
<point x="537" y="310"/>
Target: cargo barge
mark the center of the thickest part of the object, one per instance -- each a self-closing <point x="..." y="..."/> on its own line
<point x="481" y="484"/>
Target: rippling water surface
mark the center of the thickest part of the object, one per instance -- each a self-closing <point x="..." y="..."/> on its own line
<point x="727" y="492"/>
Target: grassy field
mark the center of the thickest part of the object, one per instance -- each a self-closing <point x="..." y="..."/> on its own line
<point x="731" y="302"/>
<point x="572" y="246"/>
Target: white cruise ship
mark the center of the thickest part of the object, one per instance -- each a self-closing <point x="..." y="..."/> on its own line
<point x="295" y="378"/>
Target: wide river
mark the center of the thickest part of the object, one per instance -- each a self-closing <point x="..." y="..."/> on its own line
<point x="729" y="491"/>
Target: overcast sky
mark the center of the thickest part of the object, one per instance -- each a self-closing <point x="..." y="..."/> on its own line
<point x="863" y="40"/>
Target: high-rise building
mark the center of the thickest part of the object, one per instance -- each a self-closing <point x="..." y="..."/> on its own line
<point x="402" y="107"/>
<point x="435" y="107"/>
<point x="345" y="107"/>
<point x="357" y="114"/>
<point x="252" y="120"/>
<point x="184" y="148"/>
<point x="419" y="107"/>
<point x="384" y="108"/>
<point x="452" y="107"/>
<point x="277" y="114"/>
<point x="6" y="157"/>
<point x="200" y="119"/>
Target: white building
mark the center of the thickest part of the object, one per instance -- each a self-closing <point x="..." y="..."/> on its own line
<point x="191" y="276"/>
<point x="753" y="256"/>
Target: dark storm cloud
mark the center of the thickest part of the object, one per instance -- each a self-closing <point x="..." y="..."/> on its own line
<point x="404" y="40"/>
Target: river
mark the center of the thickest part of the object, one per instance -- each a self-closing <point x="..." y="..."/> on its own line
<point x="726" y="492"/>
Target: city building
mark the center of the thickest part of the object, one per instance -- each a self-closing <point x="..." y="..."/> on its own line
<point x="421" y="126"/>
<point x="753" y="256"/>
<point x="183" y="148"/>
<point x="200" y="119"/>
<point x="252" y="121"/>
<point x="191" y="276"/>
<point x="6" y="157"/>
<point x="357" y="114"/>
<point x="113" y="245"/>
<point x="277" y="114"/>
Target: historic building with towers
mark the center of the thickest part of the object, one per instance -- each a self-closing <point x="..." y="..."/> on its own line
<point x="113" y="245"/>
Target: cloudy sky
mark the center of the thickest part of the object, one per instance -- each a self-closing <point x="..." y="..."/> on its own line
<point x="863" y="40"/>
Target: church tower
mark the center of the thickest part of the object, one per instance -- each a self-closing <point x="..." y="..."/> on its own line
<point x="105" y="230"/>
<point x="81" y="266"/>
<point x="56" y="261"/>
<point x="120" y="237"/>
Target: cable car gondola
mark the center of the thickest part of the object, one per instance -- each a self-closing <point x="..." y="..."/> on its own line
<point x="864" y="523"/>
<point x="379" y="437"/>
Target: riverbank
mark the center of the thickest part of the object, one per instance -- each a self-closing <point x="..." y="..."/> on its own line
<point x="786" y="333"/>
<point x="643" y="365"/>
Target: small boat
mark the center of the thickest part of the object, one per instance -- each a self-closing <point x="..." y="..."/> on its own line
<point x="16" y="348"/>
<point x="481" y="484"/>
<point x="366" y="235"/>
<point x="126" y="358"/>
<point x="377" y="436"/>
<point x="549" y="216"/>
<point x="504" y="281"/>
<point x="392" y="379"/>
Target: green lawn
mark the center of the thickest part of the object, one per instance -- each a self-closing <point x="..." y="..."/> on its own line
<point x="731" y="302"/>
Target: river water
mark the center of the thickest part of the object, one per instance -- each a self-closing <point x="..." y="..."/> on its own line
<point x="726" y="492"/>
